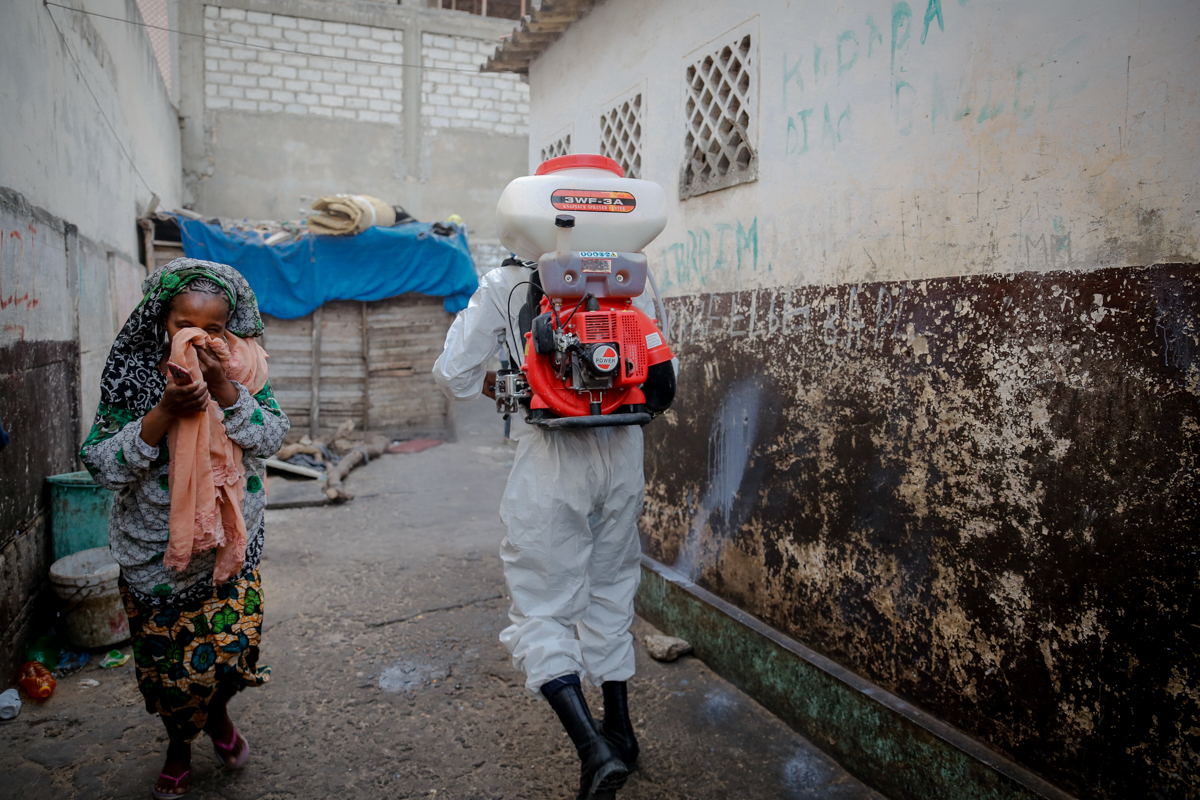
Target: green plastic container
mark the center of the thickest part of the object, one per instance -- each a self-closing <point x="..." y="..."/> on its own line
<point x="78" y="513"/>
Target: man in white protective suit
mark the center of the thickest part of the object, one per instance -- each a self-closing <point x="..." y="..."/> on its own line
<point x="572" y="554"/>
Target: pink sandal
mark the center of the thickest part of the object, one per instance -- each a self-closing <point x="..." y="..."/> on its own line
<point x="224" y="751"/>
<point x="176" y="780"/>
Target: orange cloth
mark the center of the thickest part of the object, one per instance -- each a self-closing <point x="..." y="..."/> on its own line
<point x="207" y="481"/>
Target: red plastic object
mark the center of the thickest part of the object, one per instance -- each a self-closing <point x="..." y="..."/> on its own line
<point x="580" y="161"/>
<point x="36" y="680"/>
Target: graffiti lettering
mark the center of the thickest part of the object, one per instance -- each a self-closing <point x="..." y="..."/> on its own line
<point x="14" y="255"/>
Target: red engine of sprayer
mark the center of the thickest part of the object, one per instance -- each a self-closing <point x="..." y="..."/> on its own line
<point x="601" y="371"/>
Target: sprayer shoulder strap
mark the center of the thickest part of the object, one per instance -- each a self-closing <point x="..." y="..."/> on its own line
<point x="532" y="306"/>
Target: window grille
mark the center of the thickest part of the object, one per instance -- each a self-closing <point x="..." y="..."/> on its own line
<point x="621" y="135"/>
<point x="719" y="147"/>
<point x="557" y="147"/>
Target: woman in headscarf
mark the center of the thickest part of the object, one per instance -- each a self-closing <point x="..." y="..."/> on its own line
<point x="183" y="448"/>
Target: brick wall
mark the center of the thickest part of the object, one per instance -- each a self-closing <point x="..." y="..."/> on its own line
<point x="307" y="70"/>
<point x="276" y="63"/>
<point x="455" y="95"/>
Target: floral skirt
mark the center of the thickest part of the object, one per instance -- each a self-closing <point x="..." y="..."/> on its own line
<point x="187" y="656"/>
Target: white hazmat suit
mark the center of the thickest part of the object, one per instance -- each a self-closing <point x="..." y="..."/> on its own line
<point x="572" y="555"/>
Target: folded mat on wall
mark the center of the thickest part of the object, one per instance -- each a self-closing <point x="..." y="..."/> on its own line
<point x="294" y="278"/>
<point x="346" y="214"/>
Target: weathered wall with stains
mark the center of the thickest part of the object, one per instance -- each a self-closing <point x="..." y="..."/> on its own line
<point x="89" y="136"/>
<point x="938" y="401"/>
<point x="978" y="492"/>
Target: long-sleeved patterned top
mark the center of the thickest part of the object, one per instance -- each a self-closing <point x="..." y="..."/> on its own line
<point x="137" y="472"/>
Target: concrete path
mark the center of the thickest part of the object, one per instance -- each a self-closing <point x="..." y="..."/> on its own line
<point x="388" y="680"/>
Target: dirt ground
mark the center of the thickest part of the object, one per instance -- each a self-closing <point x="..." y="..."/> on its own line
<point x="388" y="680"/>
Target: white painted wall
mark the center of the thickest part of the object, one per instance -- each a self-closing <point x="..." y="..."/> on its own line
<point x="959" y="138"/>
<point x="58" y="149"/>
<point x="85" y="146"/>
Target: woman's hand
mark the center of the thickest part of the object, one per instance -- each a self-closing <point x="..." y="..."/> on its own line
<point x="223" y="390"/>
<point x="178" y="400"/>
<point x="181" y="400"/>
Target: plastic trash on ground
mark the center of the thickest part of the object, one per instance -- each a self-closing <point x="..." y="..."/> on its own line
<point x="70" y="662"/>
<point x="10" y="704"/>
<point x="36" y="680"/>
<point x="45" y="649"/>
<point x="114" y="659"/>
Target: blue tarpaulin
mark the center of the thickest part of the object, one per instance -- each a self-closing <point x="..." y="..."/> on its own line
<point x="295" y="278"/>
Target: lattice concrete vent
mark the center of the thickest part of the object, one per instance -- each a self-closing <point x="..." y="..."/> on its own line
<point x="621" y="135"/>
<point x="557" y="147"/>
<point x="719" y="147"/>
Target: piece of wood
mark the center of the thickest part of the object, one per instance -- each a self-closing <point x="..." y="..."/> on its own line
<point x="314" y="412"/>
<point x="147" y="227"/>
<point x="372" y="448"/>
<point x="289" y="450"/>
<point x="329" y="438"/>
<point x="382" y="381"/>
<point x="295" y="469"/>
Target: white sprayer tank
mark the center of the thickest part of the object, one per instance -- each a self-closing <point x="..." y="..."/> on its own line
<point x="612" y="213"/>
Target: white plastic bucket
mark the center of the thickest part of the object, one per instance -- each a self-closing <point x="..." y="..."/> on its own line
<point x="94" y="615"/>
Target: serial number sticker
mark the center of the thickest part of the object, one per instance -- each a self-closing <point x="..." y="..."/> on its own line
<point x="603" y="265"/>
<point x="592" y="200"/>
<point x="597" y="254"/>
<point x="653" y="340"/>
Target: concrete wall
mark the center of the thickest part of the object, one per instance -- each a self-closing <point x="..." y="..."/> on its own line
<point x="303" y="98"/>
<point x="938" y="405"/>
<point x="70" y="152"/>
<point x="89" y="135"/>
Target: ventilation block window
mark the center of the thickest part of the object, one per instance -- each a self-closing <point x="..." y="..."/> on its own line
<point x="621" y="134"/>
<point x="720" y="109"/>
<point x="557" y="146"/>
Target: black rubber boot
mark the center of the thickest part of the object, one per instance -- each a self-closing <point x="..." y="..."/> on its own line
<point x="617" y="728"/>
<point x="602" y="772"/>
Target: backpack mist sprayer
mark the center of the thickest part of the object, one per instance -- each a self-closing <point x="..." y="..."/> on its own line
<point x="591" y="358"/>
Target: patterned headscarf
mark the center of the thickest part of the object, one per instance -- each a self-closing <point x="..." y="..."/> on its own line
<point x="131" y="381"/>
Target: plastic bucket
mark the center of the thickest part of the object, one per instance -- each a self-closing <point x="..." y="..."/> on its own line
<point x="94" y="615"/>
<point x="78" y="513"/>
